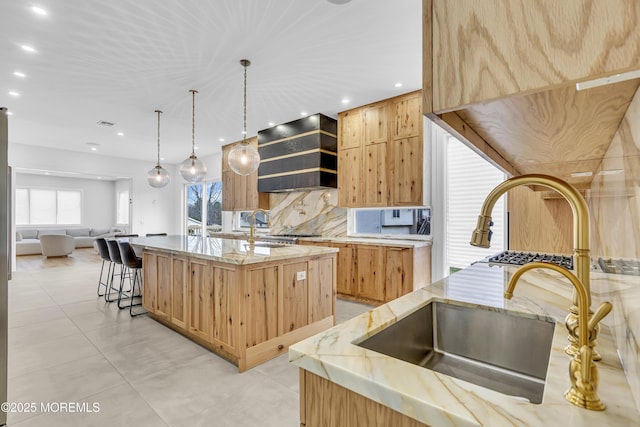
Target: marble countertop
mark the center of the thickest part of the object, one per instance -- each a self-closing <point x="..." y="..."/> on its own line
<point x="231" y="251"/>
<point x="382" y="241"/>
<point x="439" y="400"/>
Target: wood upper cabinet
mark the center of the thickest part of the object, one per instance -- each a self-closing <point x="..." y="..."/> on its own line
<point x="239" y="192"/>
<point x="370" y="267"/>
<point x="380" y="158"/>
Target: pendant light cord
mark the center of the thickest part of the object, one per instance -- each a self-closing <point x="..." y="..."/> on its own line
<point x="159" y="112"/>
<point x="245" y="63"/>
<point x="193" y="122"/>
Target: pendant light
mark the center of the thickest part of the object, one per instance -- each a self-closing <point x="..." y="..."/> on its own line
<point x="244" y="158"/>
<point x="158" y="177"/>
<point x="193" y="169"/>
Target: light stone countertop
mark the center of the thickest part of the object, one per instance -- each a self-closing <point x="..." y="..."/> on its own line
<point x="231" y="251"/>
<point x="401" y="243"/>
<point x="439" y="400"/>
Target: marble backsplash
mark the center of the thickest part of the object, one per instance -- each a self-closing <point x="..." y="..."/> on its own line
<point x="307" y="212"/>
<point x="614" y="205"/>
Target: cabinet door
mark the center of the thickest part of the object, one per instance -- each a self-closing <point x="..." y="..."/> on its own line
<point x="261" y="305"/>
<point x="150" y="280"/>
<point x="349" y="177"/>
<point x="350" y="132"/>
<point x="375" y="124"/>
<point x="163" y="290"/>
<point x="398" y="272"/>
<point x="406" y="171"/>
<point x="294" y="296"/>
<point x="370" y="261"/>
<point x="407" y="116"/>
<point x="320" y="290"/>
<point x="201" y="300"/>
<point x="375" y="176"/>
<point x="225" y="307"/>
<point x="179" y="291"/>
<point x="346" y="269"/>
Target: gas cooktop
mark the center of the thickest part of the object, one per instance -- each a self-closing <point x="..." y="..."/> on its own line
<point x="521" y="258"/>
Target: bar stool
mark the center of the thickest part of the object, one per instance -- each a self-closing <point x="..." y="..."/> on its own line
<point x="104" y="254"/>
<point x="132" y="262"/>
<point x="114" y="255"/>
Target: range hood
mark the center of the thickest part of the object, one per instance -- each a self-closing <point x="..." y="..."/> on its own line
<point x="299" y="155"/>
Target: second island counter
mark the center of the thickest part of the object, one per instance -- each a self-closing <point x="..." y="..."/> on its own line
<point x="245" y="303"/>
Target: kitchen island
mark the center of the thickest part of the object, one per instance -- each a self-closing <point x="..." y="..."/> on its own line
<point x="350" y="385"/>
<point x="245" y="303"/>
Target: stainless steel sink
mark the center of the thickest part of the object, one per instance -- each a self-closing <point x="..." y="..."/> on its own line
<point x="502" y="351"/>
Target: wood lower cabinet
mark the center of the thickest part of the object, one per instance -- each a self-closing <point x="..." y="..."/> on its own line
<point x="326" y="404"/>
<point x="376" y="274"/>
<point x="245" y="313"/>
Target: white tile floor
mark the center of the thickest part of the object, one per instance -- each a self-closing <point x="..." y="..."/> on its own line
<point x="67" y="345"/>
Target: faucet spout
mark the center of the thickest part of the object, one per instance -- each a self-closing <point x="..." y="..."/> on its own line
<point x="482" y="236"/>
<point x="252" y="224"/>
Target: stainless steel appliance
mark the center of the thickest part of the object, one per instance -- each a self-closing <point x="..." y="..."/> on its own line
<point x="522" y="258"/>
<point x="5" y="267"/>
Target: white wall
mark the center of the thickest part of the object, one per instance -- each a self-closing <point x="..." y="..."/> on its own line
<point x="98" y="200"/>
<point x="153" y="210"/>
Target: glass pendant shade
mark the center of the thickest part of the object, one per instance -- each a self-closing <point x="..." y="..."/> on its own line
<point x="244" y="159"/>
<point x="158" y="177"/>
<point x="193" y="169"/>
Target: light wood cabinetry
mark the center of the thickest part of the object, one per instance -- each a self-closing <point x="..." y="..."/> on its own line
<point x="376" y="274"/>
<point x="380" y="153"/>
<point x="326" y="404"/>
<point x="245" y="313"/>
<point x="240" y="193"/>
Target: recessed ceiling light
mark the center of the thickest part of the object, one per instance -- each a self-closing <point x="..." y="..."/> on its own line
<point x="38" y="10"/>
<point x="93" y="145"/>
<point x="581" y="174"/>
<point x="27" y="48"/>
<point x="398" y="84"/>
<point x="13" y="93"/>
<point x="120" y="134"/>
<point x="303" y="114"/>
<point x="196" y="148"/>
<point x="94" y="148"/>
<point x="339" y="1"/>
<point x="99" y="177"/>
<point x="221" y="139"/>
<point x="345" y="100"/>
<point x="162" y="158"/>
<point x="271" y="123"/>
<point x="19" y="74"/>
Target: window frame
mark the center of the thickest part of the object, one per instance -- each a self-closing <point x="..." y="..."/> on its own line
<point x="55" y="190"/>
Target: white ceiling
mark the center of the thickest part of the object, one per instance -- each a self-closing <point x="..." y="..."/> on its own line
<point x="119" y="60"/>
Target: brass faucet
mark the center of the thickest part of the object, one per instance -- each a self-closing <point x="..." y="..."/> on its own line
<point x="583" y="372"/>
<point x="482" y="236"/>
<point x="252" y="224"/>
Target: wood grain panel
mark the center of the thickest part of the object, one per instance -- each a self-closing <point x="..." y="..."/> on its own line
<point x="225" y="306"/>
<point x="350" y="170"/>
<point x="398" y="274"/>
<point x="150" y="280"/>
<point x="163" y="287"/>
<point x="407" y="116"/>
<point x="375" y="120"/>
<point x="350" y="133"/>
<point x="320" y="290"/>
<point x="406" y="161"/>
<point x="375" y="192"/>
<point x="201" y="300"/>
<point x="538" y="225"/>
<point x="371" y="272"/>
<point x="295" y="297"/>
<point x="346" y="274"/>
<point x="240" y="192"/>
<point x="487" y="50"/>
<point x="326" y="404"/>
<point x="261" y="305"/>
<point x="557" y="131"/>
<point x="179" y="290"/>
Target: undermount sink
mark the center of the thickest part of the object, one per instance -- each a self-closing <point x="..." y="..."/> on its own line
<point x="502" y="351"/>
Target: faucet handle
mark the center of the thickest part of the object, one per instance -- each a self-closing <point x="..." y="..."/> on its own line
<point x="599" y="314"/>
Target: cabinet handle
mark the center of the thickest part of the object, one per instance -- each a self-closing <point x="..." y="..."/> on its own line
<point x="280" y="346"/>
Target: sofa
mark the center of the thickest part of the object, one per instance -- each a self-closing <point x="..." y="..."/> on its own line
<point x="28" y="239"/>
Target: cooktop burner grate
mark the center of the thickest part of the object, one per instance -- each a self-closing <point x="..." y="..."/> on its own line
<point x="521" y="258"/>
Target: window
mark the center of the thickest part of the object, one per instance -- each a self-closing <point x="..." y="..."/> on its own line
<point x="262" y="222"/>
<point x="392" y="222"/>
<point x="122" y="208"/>
<point x="37" y="206"/>
<point x="197" y="211"/>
